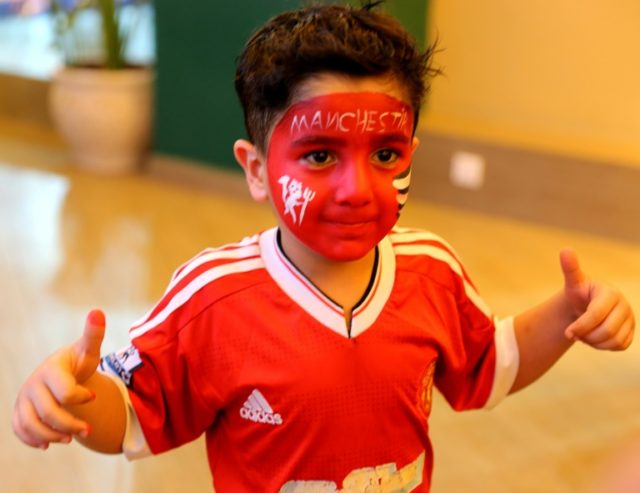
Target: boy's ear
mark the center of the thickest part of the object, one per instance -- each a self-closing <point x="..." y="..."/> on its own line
<point x="254" y="166"/>
<point x="414" y="144"/>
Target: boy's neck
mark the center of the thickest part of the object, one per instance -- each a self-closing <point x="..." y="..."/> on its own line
<point x="344" y="282"/>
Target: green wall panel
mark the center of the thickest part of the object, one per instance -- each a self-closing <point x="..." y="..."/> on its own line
<point x="197" y="115"/>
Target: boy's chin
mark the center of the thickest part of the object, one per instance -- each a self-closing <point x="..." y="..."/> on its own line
<point x="344" y="251"/>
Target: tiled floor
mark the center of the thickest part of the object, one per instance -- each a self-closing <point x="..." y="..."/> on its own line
<point x="70" y="241"/>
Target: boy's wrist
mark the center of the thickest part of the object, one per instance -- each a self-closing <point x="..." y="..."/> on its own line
<point x="568" y="312"/>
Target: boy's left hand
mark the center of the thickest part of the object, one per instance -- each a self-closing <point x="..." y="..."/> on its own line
<point x="604" y="319"/>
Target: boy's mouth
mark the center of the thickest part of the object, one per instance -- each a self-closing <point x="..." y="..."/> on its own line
<point x="350" y="222"/>
<point x="350" y="229"/>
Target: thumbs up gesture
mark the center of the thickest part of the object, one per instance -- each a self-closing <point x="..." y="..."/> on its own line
<point x="603" y="317"/>
<point x="40" y="414"/>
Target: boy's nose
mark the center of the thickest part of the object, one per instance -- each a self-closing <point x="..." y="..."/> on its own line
<point x="354" y="183"/>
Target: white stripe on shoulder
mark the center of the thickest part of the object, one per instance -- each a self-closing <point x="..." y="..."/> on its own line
<point x="406" y="235"/>
<point x="208" y="255"/>
<point x="237" y="253"/>
<point x="190" y="264"/>
<point x="182" y="296"/>
<point x="454" y="264"/>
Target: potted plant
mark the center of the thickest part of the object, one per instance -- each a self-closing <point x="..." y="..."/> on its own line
<point x="100" y="102"/>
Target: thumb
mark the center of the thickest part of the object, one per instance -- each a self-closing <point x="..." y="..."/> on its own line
<point x="88" y="346"/>
<point x="573" y="275"/>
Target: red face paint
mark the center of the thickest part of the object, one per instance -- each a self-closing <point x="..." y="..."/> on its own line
<point x="339" y="170"/>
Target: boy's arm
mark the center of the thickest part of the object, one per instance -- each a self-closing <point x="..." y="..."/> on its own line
<point x="65" y="397"/>
<point x="584" y="310"/>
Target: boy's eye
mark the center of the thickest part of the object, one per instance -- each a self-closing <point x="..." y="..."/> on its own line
<point x="319" y="158"/>
<point x="385" y="157"/>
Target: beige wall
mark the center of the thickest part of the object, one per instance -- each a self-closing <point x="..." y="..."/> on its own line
<point x="556" y="75"/>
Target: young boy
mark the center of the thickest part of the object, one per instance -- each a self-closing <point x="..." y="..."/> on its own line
<point x="307" y="353"/>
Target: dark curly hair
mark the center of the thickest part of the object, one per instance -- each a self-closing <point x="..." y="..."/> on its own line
<point x="343" y="39"/>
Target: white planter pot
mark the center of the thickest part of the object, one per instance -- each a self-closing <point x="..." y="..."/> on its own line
<point x="104" y="116"/>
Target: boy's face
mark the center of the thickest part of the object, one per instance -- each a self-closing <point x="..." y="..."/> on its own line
<point x="338" y="166"/>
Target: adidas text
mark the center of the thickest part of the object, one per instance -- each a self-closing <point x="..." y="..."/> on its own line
<point x="259" y="416"/>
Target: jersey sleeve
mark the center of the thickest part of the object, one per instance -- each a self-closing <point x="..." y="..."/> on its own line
<point x="167" y="404"/>
<point x="479" y="360"/>
<point x="182" y="356"/>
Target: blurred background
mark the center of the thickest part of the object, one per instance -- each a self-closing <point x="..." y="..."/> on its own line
<point x="530" y="141"/>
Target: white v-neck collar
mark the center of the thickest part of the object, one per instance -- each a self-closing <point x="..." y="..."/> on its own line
<point x="315" y="302"/>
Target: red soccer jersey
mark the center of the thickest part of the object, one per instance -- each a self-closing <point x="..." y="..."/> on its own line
<point x="244" y="348"/>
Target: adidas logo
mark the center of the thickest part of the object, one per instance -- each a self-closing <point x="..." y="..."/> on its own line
<point x="257" y="409"/>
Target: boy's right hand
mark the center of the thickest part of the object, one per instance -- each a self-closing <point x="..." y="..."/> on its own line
<point x="40" y="416"/>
